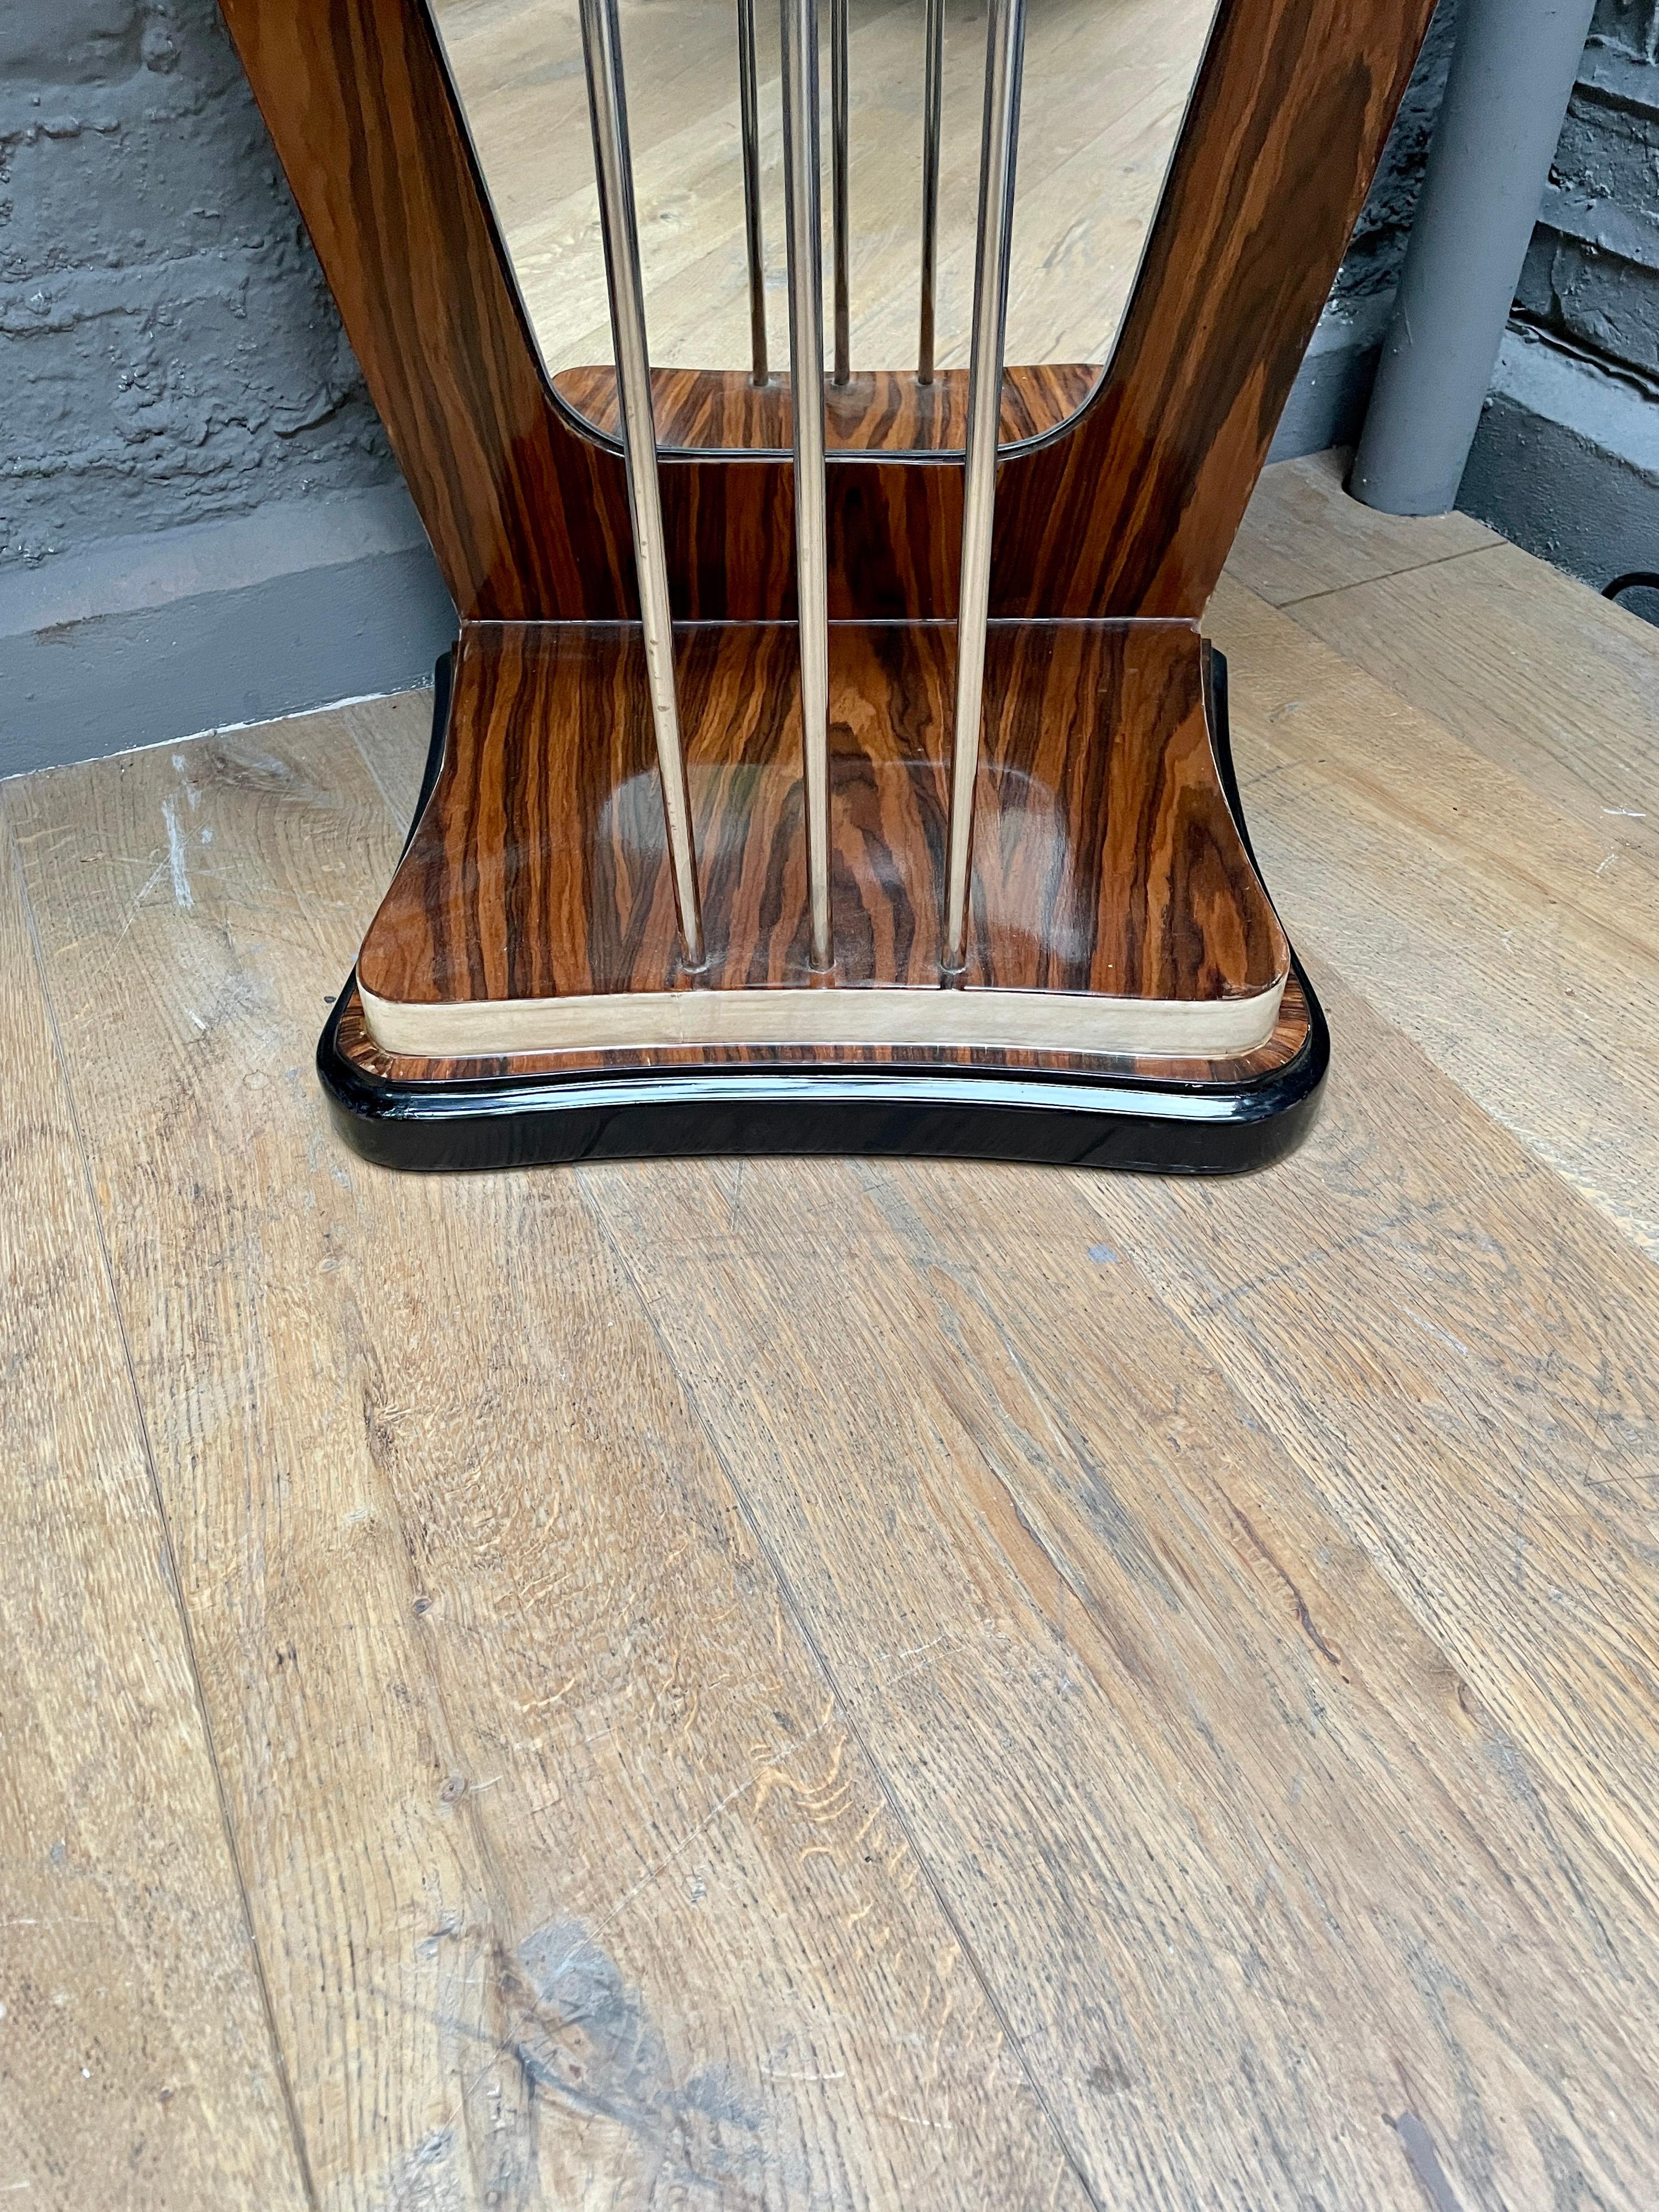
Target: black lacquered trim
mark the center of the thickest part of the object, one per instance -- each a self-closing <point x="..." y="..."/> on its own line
<point x="1056" y="1120"/>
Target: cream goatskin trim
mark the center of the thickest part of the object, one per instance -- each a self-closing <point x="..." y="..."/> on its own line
<point x="991" y="1020"/>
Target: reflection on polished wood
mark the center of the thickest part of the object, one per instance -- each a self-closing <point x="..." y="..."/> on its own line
<point x="1115" y="908"/>
<point x="716" y="409"/>
<point x="1295" y="1537"/>
<point x="1106" y="81"/>
<point x="1130" y="512"/>
<point x="1121" y="518"/>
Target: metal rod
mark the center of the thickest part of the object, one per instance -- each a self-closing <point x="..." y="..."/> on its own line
<point x="932" y="108"/>
<point x="805" y="248"/>
<point x="614" y="169"/>
<point x="1004" y="56"/>
<point x="840" y="102"/>
<point x="749" y="103"/>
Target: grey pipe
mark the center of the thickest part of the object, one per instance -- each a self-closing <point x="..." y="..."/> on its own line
<point x="1511" y="75"/>
<point x="619" y="228"/>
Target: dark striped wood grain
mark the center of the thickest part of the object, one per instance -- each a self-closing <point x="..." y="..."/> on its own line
<point x="1129" y="511"/>
<point x="1107" y="860"/>
<point x="527" y="514"/>
<point x="1104" y="856"/>
<point x="1134" y="509"/>
<point x="878" y="411"/>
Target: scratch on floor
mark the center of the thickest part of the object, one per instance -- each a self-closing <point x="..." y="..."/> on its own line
<point x="184" y="897"/>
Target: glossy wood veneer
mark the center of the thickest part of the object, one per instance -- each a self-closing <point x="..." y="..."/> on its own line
<point x="1113" y="909"/>
<point x="881" y="411"/>
<point x="1130" y="511"/>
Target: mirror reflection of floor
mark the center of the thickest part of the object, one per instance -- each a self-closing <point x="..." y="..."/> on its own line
<point x="1105" y="87"/>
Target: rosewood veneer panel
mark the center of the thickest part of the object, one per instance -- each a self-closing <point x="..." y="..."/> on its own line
<point x="878" y="411"/>
<point x="1109" y="862"/>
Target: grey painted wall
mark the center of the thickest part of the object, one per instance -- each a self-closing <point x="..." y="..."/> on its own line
<point x="1566" y="462"/>
<point x="200" y="520"/>
<point x="171" y="353"/>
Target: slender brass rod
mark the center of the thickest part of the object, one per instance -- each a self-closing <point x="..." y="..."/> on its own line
<point x="1004" y="50"/>
<point x="840" y="173"/>
<point x="749" y="105"/>
<point x="933" y="109"/>
<point x="805" y="249"/>
<point x="619" y="227"/>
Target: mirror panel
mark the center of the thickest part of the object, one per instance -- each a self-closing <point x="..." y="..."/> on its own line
<point x="1106" y="84"/>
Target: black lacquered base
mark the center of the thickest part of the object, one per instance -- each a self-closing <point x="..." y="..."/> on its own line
<point x="1159" y="1126"/>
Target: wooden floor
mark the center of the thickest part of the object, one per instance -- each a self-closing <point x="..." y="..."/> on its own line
<point x="851" y="1684"/>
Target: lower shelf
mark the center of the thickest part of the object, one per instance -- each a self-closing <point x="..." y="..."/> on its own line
<point x="1157" y="1114"/>
<point x="880" y="412"/>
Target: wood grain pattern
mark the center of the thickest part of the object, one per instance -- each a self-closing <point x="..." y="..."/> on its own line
<point x="1237" y="1598"/>
<point x="576" y="1888"/>
<point x="1507" y="936"/>
<point x="1108" y="861"/>
<point x="1325" y="1923"/>
<point x="528" y="517"/>
<point x="1302" y="536"/>
<point x="1106" y="82"/>
<point x="136" y="2064"/>
<point x="1134" y="509"/>
<point x="884" y="411"/>
<point x="1519" y="662"/>
<point x="1130" y="512"/>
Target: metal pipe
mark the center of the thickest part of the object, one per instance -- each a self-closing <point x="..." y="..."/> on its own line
<point x="1511" y="75"/>
<point x="839" y="104"/>
<point x="619" y="225"/>
<point x="805" y="250"/>
<point x="1004" y="58"/>
<point x="933" y="109"/>
<point x="749" y="105"/>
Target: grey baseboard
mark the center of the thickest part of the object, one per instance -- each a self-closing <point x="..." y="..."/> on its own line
<point x="1327" y="403"/>
<point x="143" y="640"/>
<point x="1566" y="462"/>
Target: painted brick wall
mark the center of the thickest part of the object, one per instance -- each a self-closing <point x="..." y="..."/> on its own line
<point x="1591" y="280"/>
<point x="171" y="353"/>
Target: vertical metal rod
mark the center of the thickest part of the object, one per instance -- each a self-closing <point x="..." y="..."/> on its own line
<point x="1004" y="56"/>
<point x="839" y="104"/>
<point x="805" y="245"/>
<point x="619" y="225"/>
<point x="932" y="108"/>
<point x="749" y="104"/>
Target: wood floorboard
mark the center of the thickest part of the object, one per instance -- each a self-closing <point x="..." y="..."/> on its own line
<point x="136" y="2064"/>
<point x="1532" y="671"/>
<point x="1105" y="86"/>
<point x="1302" y="536"/>
<point x="1473" y="911"/>
<point x="1216" y="1805"/>
<point x="808" y="1683"/>
<point x="1460" y="1357"/>
<point x="575" y="1887"/>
